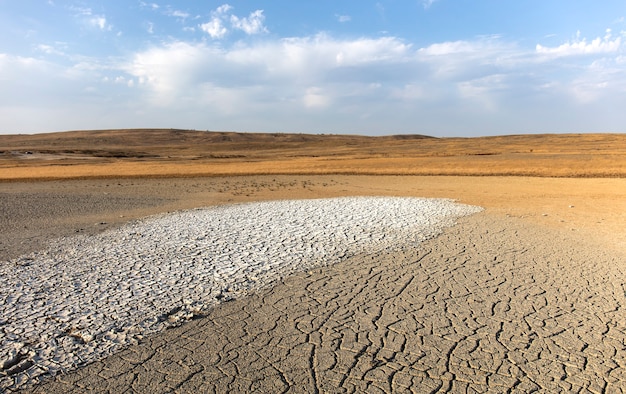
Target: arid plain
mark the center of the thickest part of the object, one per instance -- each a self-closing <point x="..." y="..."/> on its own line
<point x="527" y="295"/>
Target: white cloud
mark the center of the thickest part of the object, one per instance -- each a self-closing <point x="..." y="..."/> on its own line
<point x="150" y="27"/>
<point x="581" y="47"/>
<point x="448" y="48"/>
<point x="289" y="66"/>
<point x="605" y="77"/>
<point x="315" y="98"/>
<point x="178" y="14"/>
<point x="214" y="28"/>
<point x="30" y="81"/>
<point x="46" y="49"/>
<point x="81" y="10"/>
<point x="483" y="90"/>
<point x="343" y="18"/>
<point x="87" y="16"/>
<point x="99" y="22"/>
<point x="217" y="27"/>
<point x="12" y="63"/>
<point x="253" y="24"/>
<point x="293" y="84"/>
<point x="51" y="50"/>
<point x="223" y="9"/>
<point x="168" y="71"/>
<point x="586" y="91"/>
<point x="358" y="51"/>
<point x="428" y="3"/>
<point x="466" y="60"/>
<point x="409" y="92"/>
<point x="154" y="6"/>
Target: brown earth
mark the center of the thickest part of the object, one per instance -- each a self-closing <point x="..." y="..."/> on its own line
<point x="515" y="174"/>
<point x="31" y="213"/>
<point x="168" y="152"/>
<point x="525" y="296"/>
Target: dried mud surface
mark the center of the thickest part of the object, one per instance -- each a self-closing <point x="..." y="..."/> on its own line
<point x="491" y="305"/>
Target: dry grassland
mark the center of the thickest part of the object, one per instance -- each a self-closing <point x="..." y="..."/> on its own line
<point x="552" y="235"/>
<point x="169" y="152"/>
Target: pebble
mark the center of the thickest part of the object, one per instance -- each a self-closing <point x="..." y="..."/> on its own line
<point x="86" y="297"/>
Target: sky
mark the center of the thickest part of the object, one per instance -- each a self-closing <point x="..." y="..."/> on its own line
<point x="437" y="67"/>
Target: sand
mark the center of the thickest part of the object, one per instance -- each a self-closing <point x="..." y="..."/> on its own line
<point x="526" y="295"/>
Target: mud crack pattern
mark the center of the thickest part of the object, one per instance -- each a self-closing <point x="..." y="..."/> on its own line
<point x="484" y="307"/>
<point x="88" y="297"/>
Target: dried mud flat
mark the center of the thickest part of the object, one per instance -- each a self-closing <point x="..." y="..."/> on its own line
<point x="525" y="296"/>
<point x="489" y="306"/>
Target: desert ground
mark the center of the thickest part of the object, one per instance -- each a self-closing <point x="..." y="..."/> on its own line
<point x="168" y="152"/>
<point x="526" y="295"/>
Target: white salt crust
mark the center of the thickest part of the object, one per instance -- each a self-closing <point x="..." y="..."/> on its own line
<point x="86" y="297"/>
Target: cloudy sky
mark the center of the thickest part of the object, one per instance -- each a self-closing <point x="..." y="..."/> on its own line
<point x="436" y="67"/>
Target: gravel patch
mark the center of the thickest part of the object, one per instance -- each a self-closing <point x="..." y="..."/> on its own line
<point x="84" y="297"/>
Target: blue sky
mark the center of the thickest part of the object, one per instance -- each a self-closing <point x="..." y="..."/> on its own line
<point x="436" y="67"/>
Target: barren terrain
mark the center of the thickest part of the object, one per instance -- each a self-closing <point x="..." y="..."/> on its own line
<point x="527" y="295"/>
<point x="167" y="152"/>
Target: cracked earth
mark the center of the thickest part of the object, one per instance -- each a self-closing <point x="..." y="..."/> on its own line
<point x="491" y="305"/>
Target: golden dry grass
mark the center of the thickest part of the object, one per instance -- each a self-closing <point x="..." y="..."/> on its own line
<point x="169" y="152"/>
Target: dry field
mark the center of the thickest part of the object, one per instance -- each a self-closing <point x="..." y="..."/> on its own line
<point x="575" y="182"/>
<point x="527" y="296"/>
<point x="535" y="177"/>
<point x="169" y="152"/>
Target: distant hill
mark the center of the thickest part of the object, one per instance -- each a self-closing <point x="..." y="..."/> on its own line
<point x="156" y="152"/>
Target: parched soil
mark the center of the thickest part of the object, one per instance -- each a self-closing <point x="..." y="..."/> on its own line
<point x="526" y="296"/>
